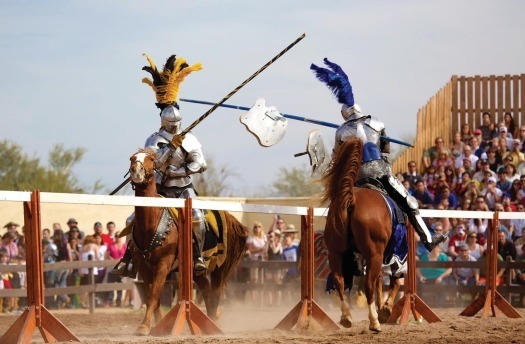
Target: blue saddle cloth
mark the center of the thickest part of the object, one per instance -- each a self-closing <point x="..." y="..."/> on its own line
<point x="397" y="248"/>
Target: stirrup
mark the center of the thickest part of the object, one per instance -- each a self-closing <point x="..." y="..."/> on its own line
<point x="436" y="240"/>
<point x="118" y="270"/>
<point x="199" y="265"/>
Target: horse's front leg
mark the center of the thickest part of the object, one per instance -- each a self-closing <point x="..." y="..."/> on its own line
<point x="336" y="266"/>
<point x="204" y="287"/>
<point x="158" y="277"/>
<point x="372" y="279"/>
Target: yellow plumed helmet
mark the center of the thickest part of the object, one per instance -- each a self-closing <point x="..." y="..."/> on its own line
<point x="166" y="83"/>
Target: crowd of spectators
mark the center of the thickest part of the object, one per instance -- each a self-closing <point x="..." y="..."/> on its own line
<point x="61" y="245"/>
<point x="482" y="169"/>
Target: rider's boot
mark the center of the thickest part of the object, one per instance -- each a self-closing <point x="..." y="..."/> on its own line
<point x="125" y="267"/>
<point x="199" y="232"/>
<point x="410" y="206"/>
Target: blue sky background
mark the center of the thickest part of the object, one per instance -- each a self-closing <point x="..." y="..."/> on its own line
<point x="71" y="70"/>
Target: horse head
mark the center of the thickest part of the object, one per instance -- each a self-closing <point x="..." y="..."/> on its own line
<point x="142" y="167"/>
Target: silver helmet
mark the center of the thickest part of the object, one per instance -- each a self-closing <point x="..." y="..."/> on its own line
<point x="170" y="120"/>
<point x="351" y="112"/>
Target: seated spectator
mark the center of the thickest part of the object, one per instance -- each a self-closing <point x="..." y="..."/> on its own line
<point x="430" y="178"/>
<point x="491" y="193"/>
<point x="506" y="247"/>
<point x="503" y="183"/>
<point x="10" y="246"/>
<point x="466" y="133"/>
<point x="465" y="205"/>
<point x="481" y="175"/>
<point x="510" y="124"/>
<point x="512" y="173"/>
<point x="466" y="167"/>
<point x="467" y="153"/>
<point x="488" y="130"/>
<point x="517" y="225"/>
<point x="443" y="159"/>
<point x="457" y="240"/>
<point x="450" y="197"/>
<point x="451" y="178"/>
<point x="521" y="169"/>
<point x="516" y="193"/>
<point x="475" y="249"/>
<point x="505" y="140"/>
<point x="412" y="175"/>
<point x="478" y="226"/>
<point x="521" y="137"/>
<point x="462" y="185"/>
<point x="507" y="204"/>
<point x="472" y="192"/>
<point x="439" y="229"/>
<point x="520" y="273"/>
<point x="456" y="146"/>
<point x="517" y="156"/>
<point x="434" y="275"/>
<point x="465" y="276"/>
<point x="432" y="153"/>
<point x="475" y="144"/>
<point x="423" y="196"/>
<point x="494" y="159"/>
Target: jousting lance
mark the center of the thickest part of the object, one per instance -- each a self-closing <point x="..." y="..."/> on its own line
<point x="294" y="117"/>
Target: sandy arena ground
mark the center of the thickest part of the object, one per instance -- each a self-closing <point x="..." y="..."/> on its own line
<point x="243" y="324"/>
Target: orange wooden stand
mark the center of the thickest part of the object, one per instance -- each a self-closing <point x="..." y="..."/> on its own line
<point x="307" y="309"/>
<point x="36" y="315"/>
<point x="411" y="302"/>
<point x="490" y="299"/>
<point x="185" y="312"/>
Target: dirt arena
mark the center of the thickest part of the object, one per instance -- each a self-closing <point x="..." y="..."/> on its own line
<point x="242" y="324"/>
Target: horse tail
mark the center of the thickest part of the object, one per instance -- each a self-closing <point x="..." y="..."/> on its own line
<point x="338" y="181"/>
<point x="237" y="235"/>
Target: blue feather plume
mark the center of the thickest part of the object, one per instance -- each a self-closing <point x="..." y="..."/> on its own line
<point x="336" y="80"/>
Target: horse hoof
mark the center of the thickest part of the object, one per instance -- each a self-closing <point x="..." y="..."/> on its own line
<point x="346" y="322"/>
<point x="142" y="330"/>
<point x="383" y="314"/>
<point x="375" y="329"/>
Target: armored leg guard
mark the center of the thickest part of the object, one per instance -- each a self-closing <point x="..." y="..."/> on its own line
<point x="125" y="267"/>
<point x="409" y="205"/>
<point x="199" y="232"/>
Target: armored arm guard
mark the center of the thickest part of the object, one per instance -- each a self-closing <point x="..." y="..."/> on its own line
<point x="384" y="145"/>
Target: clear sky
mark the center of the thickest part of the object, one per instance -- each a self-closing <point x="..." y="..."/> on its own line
<point x="71" y="70"/>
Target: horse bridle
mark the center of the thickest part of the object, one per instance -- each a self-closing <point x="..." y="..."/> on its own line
<point x="148" y="174"/>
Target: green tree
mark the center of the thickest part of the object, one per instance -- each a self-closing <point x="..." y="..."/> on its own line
<point x="294" y="182"/>
<point x="19" y="172"/>
<point x="213" y="181"/>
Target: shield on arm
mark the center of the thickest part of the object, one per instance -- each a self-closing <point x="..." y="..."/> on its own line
<point x="266" y="123"/>
<point x="315" y="149"/>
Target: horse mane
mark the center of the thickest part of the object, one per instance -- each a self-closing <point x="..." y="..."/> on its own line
<point x="237" y="235"/>
<point x="148" y="151"/>
<point x="338" y="181"/>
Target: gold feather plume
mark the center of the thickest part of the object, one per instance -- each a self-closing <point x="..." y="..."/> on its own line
<point x="166" y="84"/>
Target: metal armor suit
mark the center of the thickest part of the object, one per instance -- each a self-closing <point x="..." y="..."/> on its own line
<point x="176" y="166"/>
<point x="375" y="166"/>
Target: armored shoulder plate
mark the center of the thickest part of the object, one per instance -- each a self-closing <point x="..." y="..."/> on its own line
<point x="190" y="143"/>
<point x="155" y="141"/>
<point x="375" y="124"/>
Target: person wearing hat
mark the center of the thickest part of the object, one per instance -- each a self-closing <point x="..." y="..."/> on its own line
<point x="484" y="169"/>
<point x="73" y="226"/>
<point x="375" y="164"/>
<point x="503" y="134"/>
<point x="517" y="156"/>
<point x="491" y="193"/>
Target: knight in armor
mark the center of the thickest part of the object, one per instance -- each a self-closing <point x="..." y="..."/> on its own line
<point x="375" y="169"/>
<point x="178" y="156"/>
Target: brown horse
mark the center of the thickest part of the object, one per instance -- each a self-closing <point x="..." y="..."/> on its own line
<point x="360" y="216"/>
<point x="154" y="264"/>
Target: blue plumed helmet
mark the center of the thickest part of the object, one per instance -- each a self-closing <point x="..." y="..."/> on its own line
<point x="370" y="152"/>
<point x="337" y="81"/>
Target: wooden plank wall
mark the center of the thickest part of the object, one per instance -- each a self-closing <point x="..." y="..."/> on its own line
<point x="463" y="100"/>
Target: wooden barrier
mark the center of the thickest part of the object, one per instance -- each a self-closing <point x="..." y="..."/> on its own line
<point x="490" y="299"/>
<point x="411" y="302"/>
<point x="307" y="309"/>
<point x="185" y="311"/>
<point x="36" y="314"/>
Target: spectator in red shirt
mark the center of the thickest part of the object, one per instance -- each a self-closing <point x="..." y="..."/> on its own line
<point x="457" y="240"/>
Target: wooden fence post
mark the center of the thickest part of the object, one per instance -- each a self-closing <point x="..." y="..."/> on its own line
<point x="307" y="309"/>
<point x="36" y="314"/>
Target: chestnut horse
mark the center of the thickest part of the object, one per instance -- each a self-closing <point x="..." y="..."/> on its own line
<point x="360" y="216"/>
<point x="155" y="264"/>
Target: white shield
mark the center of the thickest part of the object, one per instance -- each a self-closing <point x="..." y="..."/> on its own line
<point x="316" y="150"/>
<point x="266" y="123"/>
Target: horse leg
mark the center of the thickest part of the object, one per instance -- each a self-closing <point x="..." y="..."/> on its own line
<point x="372" y="278"/>
<point x="336" y="266"/>
<point x="386" y="309"/>
<point x="204" y="287"/>
<point x="215" y="294"/>
<point x="155" y="280"/>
